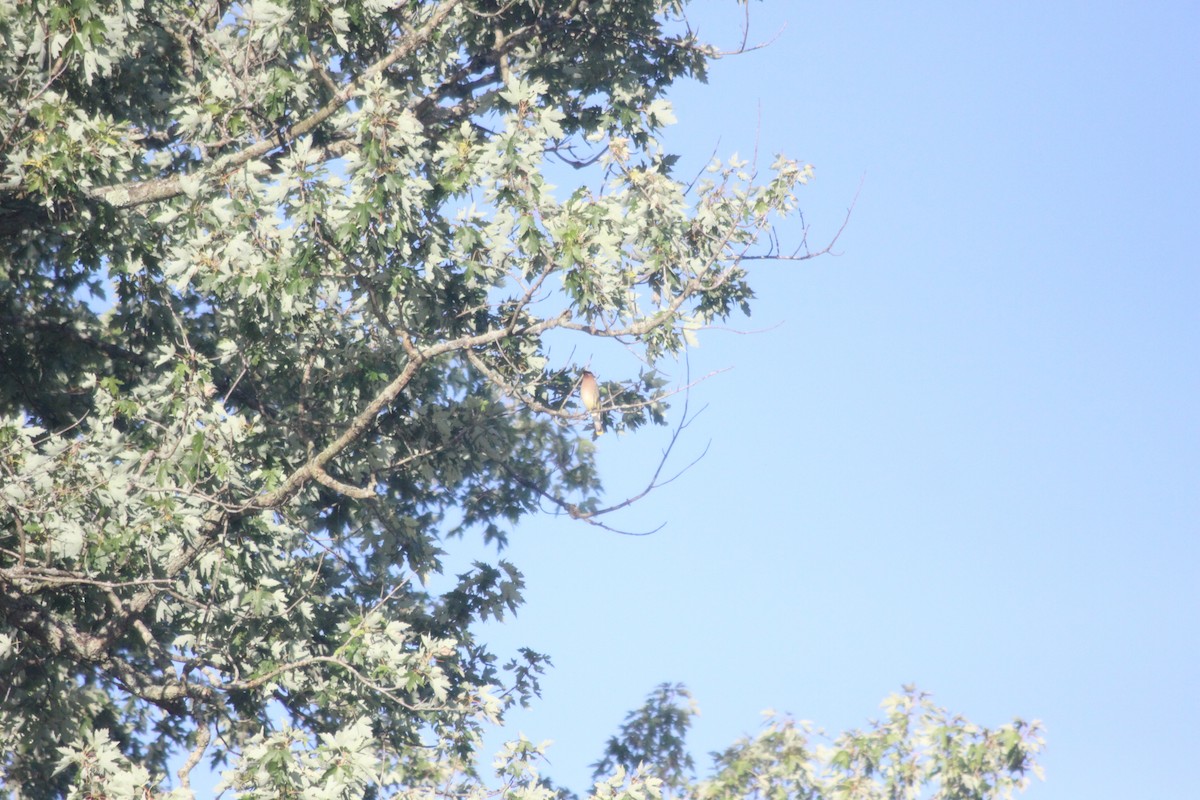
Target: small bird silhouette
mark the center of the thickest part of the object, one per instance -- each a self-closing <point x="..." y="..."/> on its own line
<point x="589" y="393"/>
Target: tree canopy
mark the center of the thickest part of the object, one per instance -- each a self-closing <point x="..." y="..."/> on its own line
<point x="287" y="300"/>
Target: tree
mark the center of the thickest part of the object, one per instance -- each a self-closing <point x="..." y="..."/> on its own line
<point x="918" y="750"/>
<point x="285" y="297"/>
<point x="655" y="734"/>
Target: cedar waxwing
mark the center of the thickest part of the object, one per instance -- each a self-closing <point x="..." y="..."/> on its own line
<point x="589" y="393"/>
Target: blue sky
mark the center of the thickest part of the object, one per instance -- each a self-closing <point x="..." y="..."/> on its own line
<point x="968" y="457"/>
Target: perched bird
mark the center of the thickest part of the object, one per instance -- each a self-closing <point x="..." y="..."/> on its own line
<point x="589" y="393"/>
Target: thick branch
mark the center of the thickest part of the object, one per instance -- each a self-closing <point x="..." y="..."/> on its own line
<point x="365" y="418"/>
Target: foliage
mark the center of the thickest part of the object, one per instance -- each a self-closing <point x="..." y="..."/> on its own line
<point x="655" y="735"/>
<point x="286" y="300"/>
<point x="917" y="751"/>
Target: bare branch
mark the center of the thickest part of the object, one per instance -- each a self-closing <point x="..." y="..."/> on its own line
<point x="827" y="249"/>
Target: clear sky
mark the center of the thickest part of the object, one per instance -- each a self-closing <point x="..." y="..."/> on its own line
<point x="968" y="457"/>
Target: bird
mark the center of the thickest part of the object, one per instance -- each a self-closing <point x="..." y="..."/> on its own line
<point x="589" y="393"/>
